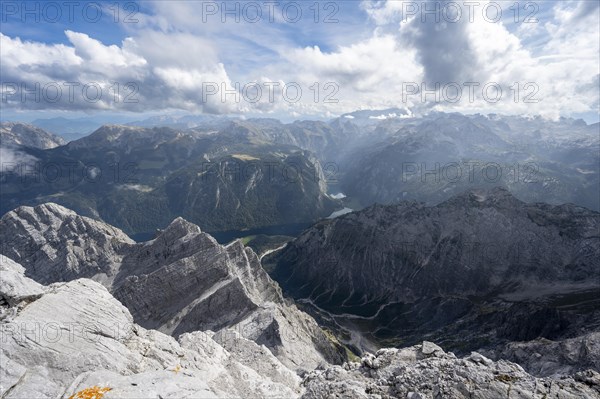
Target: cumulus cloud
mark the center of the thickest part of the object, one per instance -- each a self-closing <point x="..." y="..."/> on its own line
<point x="176" y="61"/>
<point x="150" y="72"/>
<point x="370" y="73"/>
<point x="552" y="75"/>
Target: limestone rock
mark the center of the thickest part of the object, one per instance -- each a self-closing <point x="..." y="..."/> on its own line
<point x="76" y="336"/>
<point x="23" y="134"/>
<point x="15" y="288"/>
<point x="429" y="348"/>
<point x="55" y="244"/>
<point x="441" y="376"/>
<point x="181" y="281"/>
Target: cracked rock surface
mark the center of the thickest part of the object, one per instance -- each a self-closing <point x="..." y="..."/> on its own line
<point x="75" y="335"/>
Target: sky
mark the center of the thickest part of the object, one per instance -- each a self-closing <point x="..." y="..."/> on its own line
<point x="299" y="60"/>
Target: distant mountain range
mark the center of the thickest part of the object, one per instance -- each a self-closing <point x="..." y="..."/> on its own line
<point x="139" y="179"/>
<point x="21" y="134"/>
<point x="72" y="129"/>
<point x="231" y="174"/>
<point x="430" y="159"/>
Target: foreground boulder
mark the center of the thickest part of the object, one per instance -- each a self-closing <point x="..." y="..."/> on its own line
<point x="74" y="336"/>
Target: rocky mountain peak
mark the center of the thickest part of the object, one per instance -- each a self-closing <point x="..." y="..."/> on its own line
<point x="483" y="258"/>
<point x="181" y="281"/>
<point x="55" y="244"/>
<point x="16" y="133"/>
<point x="177" y="229"/>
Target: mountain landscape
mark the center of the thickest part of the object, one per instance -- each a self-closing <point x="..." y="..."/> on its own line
<point x="233" y="180"/>
<point x="223" y="257"/>
<point x="368" y="199"/>
<point x="225" y="285"/>
<point x="478" y="271"/>
<point x="432" y="159"/>
<point x="261" y="173"/>
<point x="125" y="330"/>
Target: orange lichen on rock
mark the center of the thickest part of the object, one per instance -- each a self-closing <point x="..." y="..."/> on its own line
<point x="94" y="392"/>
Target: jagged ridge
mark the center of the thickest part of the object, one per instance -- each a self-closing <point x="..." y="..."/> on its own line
<point x="476" y="270"/>
<point x="181" y="281"/>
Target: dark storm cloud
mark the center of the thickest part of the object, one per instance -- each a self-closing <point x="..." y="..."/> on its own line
<point x="443" y="47"/>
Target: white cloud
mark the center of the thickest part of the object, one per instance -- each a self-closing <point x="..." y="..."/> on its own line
<point x="369" y="73"/>
<point x="164" y="70"/>
<point x="99" y="56"/>
<point x="564" y="68"/>
<point x="171" y="53"/>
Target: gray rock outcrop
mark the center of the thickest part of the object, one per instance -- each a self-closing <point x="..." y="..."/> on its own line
<point x="55" y="244"/>
<point x="544" y="357"/>
<point x="418" y="373"/>
<point x="75" y="336"/>
<point x="182" y="281"/>
<point x="478" y="270"/>
<point x="22" y="134"/>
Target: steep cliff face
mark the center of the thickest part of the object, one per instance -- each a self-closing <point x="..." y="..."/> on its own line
<point x="180" y="282"/>
<point x="55" y="244"/>
<point x="479" y="268"/>
<point x="229" y="192"/>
